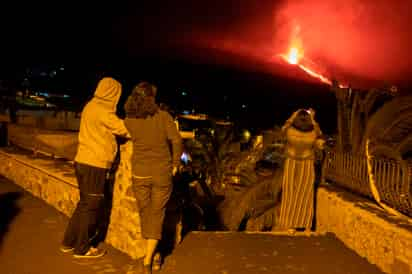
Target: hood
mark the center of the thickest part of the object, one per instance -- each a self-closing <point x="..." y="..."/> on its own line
<point x="108" y="92"/>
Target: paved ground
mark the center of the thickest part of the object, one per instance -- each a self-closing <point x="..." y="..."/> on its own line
<point x="30" y="233"/>
<point x="30" y="242"/>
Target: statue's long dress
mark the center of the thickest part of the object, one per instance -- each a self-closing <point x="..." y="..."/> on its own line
<point x="297" y="205"/>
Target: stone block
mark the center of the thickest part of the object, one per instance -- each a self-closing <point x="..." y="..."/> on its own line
<point x="403" y="248"/>
<point x="36" y="189"/>
<point x="400" y="267"/>
<point x="355" y="222"/>
<point x="130" y="192"/>
<point x="129" y="205"/>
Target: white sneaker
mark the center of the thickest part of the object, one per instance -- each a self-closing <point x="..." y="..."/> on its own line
<point x="66" y="249"/>
<point x="91" y="253"/>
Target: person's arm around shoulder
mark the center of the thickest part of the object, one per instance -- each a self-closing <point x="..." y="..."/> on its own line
<point x="116" y="126"/>
<point x="174" y="137"/>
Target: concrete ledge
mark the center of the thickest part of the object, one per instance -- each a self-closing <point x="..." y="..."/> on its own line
<point x="365" y="228"/>
<point x="54" y="182"/>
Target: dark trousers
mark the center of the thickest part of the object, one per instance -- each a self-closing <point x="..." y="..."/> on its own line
<point x="82" y="229"/>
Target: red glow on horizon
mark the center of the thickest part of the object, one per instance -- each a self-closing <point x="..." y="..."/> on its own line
<point x="362" y="42"/>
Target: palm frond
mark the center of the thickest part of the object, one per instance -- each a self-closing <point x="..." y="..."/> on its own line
<point x="246" y="204"/>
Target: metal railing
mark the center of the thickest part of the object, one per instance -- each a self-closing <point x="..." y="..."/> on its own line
<point x="392" y="178"/>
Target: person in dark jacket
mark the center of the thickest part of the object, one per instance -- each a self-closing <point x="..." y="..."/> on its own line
<point x="96" y="152"/>
<point x="157" y="147"/>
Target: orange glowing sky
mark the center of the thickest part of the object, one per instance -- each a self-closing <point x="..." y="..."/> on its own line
<point x="352" y="39"/>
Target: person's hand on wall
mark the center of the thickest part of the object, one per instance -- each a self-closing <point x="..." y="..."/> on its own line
<point x="174" y="170"/>
<point x="121" y="140"/>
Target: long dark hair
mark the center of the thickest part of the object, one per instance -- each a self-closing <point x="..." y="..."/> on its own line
<point x="141" y="103"/>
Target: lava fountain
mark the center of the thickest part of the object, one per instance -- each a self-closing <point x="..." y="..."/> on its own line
<point x="295" y="56"/>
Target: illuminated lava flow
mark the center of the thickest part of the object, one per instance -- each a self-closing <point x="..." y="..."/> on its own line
<point x="316" y="75"/>
<point x="296" y="55"/>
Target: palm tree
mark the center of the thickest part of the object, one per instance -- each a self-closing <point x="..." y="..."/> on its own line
<point x="255" y="205"/>
<point x="213" y="153"/>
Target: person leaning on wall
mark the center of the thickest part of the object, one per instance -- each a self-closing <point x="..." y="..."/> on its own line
<point x="154" y="162"/>
<point x="96" y="152"/>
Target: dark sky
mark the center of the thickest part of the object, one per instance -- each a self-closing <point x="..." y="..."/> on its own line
<point x="367" y="39"/>
<point x="69" y="29"/>
<point x="357" y="41"/>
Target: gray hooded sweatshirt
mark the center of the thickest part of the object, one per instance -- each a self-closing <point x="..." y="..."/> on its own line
<point x="99" y="125"/>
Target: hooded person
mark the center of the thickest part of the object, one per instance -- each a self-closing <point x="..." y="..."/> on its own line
<point x="157" y="147"/>
<point x="97" y="148"/>
<point x="303" y="136"/>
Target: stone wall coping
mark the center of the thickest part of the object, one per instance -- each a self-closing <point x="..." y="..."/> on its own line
<point x="368" y="209"/>
<point x="381" y="238"/>
<point x="43" y="165"/>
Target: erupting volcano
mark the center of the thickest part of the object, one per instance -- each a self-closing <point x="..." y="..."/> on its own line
<point x="295" y="56"/>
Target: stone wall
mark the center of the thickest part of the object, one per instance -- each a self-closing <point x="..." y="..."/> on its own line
<point x="365" y="228"/>
<point x="54" y="182"/>
<point x="124" y="230"/>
